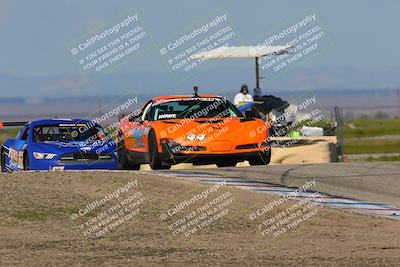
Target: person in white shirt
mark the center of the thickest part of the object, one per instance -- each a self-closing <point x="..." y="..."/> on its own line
<point x="243" y="96"/>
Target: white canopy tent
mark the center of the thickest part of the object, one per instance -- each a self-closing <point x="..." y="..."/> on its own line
<point x="244" y="52"/>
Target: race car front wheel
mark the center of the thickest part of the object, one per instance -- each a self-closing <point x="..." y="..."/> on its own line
<point x="123" y="161"/>
<point x="3" y="160"/>
<point x="154" y="158"/>
<point x="262" y="159"/>
<point x="26" y="161"/>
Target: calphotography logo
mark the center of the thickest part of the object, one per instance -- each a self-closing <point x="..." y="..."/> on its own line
<point x="211" y="32"/>
<point x="199" y="211"/>
<point x="305" y="35"/>
<point x="199" y="133"/>
<point x="101" y="51"/>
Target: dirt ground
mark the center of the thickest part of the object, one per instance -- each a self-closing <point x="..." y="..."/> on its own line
<point x="37" y="230"/>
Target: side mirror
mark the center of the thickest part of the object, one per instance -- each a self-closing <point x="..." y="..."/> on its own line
<point x="136" y="118"/>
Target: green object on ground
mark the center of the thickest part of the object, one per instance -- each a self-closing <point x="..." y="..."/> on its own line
<point x="295" y="134"/>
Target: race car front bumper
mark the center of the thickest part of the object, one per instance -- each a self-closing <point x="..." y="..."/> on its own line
<point x="60" y="165"/>
<point x="197" y="155"/>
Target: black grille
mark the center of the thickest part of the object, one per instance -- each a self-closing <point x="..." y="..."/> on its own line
<point x="193" y="148"/>
<point x="248" y="146"/>
<point x="79" y="157"/>
<point x="89" y="156"/>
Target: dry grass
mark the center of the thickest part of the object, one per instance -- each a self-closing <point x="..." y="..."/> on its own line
<point x="36" y="228"/>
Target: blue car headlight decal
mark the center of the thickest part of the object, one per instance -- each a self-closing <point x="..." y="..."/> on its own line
<point x="44" y="156"/>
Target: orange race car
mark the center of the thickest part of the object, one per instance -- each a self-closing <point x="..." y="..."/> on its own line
<point x="198" y="129"/>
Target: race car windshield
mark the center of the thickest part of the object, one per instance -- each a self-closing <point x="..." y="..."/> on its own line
<point x="68" y="133"/>
<point x="193" y="109"/>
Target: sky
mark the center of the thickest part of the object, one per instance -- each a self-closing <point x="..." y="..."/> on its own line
<point x="37" y="36"/>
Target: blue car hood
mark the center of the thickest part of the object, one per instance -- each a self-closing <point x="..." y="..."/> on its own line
<point x="70" y="147"/>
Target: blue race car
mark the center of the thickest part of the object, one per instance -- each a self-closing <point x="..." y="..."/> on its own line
<point x="59" y="145"/>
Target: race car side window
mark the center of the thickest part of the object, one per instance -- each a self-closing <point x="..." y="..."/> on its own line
<point x="24" y="135"/>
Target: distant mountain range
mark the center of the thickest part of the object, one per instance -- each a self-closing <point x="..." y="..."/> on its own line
<point x="358" y="92"/>
<point x="212" y="79"/>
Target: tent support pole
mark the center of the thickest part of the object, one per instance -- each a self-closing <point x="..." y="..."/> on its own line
<point x="257" y="74"/>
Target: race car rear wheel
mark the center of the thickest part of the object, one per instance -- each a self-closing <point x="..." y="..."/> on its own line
<point x="3" y="160"/>
<point x="123" y="161"/>
<point x="226" y="163"/>
<point x="154" y="158"/>
<point x="261" y="159"/>
<point x="26" y="161"/>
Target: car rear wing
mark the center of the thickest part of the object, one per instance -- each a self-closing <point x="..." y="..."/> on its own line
<point x="13" y="124"/>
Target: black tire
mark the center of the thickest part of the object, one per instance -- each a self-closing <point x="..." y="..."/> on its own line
<point x="226" y="163"/>
<point x="26" y="161"/>
<point x="262" y="159"/>
<point x="3" y="160"/>
<point x="154" y="158"/>
<point x="123" y="161"/>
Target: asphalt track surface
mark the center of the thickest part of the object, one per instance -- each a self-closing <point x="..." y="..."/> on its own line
<point x="372" y="182"/>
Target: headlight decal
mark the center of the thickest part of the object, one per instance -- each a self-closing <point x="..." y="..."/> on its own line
<point x="192" y="137"/>
<point x="44" y="156"/>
